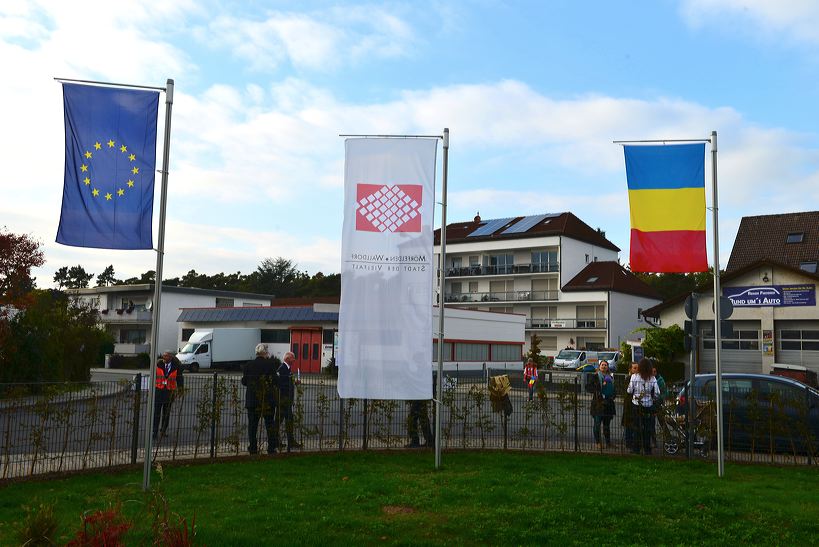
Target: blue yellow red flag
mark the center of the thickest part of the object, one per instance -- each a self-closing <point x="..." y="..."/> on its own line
<point x="110" y="161"/>
<point x="666" y="190"/>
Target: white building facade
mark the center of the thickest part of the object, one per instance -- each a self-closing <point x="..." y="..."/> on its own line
<point x="126" y="311"/>
<point x="559" y="273"/>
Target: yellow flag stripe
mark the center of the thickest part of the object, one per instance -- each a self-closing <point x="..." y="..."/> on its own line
<point x="664" y="210"/>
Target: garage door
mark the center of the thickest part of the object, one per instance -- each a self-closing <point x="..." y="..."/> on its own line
<point x="740" y="353"/>
<point x="798" y="346"/>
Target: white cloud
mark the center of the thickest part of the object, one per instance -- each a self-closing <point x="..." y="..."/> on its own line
<point x="796" y="20"/>
<point x="322" y="40"/>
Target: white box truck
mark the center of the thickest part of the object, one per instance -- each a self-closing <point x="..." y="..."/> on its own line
<point x="225" y="348"/>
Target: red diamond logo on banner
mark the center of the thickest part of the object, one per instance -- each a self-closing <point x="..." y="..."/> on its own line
<point x="381" y="208"/>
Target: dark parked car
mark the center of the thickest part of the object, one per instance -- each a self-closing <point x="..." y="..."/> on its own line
<point x="760" y="409"/>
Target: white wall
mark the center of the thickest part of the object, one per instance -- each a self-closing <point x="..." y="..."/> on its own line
<point x="623" y="316"/>
<point x="573" y="257"/>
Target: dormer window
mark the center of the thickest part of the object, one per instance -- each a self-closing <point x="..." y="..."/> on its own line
<point x="809" y="267"/>
<point x="795" y="237"/>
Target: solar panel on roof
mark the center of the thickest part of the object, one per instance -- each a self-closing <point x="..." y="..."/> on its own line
<point x="490" y="227"/>
<point x="524" y="224"/>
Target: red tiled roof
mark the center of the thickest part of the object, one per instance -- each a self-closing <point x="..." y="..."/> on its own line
<point x="609" y="276"/>
<point x="565" y="224"/>
<point x="764" y="237"/>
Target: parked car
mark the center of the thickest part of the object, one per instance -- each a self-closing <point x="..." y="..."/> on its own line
<point x="569" y="359"/>
<point x="760" y="409"/>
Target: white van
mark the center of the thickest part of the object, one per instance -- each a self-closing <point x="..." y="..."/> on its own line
<point x="569" y="359"/>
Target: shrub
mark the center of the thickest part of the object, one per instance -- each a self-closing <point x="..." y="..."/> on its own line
<point x="38" y="527"/>
<point x="141" y="361"/>
<point x="103" y="527"/>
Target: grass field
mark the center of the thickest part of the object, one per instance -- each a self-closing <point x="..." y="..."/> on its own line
<point x="477" y="498"/>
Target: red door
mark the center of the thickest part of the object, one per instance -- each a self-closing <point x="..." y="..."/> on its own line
<point x="306" y="346"/>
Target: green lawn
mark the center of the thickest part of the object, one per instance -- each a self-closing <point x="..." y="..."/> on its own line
<point x="478" y="498"/>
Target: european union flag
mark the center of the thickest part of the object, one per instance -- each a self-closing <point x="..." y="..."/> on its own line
<point x="110" y="160"/>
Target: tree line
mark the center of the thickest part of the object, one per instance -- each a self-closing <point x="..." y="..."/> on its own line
<point x="47" y="336"/>
<point x="277" y="276"/>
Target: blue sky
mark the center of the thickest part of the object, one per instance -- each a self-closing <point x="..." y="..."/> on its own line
<point x="533" y="94"/>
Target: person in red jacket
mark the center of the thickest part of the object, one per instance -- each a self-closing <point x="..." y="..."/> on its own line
<point x="168" y="380"/>
<point x="530" y="376"/>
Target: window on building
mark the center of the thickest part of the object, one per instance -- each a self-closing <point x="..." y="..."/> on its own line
<point x="473" y="286"/>
<point x="186" y="334"/>
<point x="808" y="266"/>
<point x="506" y="352"/>
<point x="548" y="342"/>
<point x="587" y="259"/>
<point x="456" y="288"/>
<point x="544" y="261"/>
<point x="447" y="351"/>
<point x="471" y="352"/>
<point x="251" y="305"/>
<point x="275" y="336"/>
<point x="329" y="336"/>
<point x="592" y="279"/>
<point x="795" y="237"/>
<point x="501" y="290"/>
<point x="224" y="302"/>
<point x="132" y="336"/>
<point x="800" y="340"/>
<point x="742" y="340"/>
<point x="500" y="263"/>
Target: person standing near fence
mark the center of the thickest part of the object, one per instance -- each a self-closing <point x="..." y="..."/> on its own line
<point x="419" y="415"/>
<point x="168" y="380"/>
<point x="530" y="376"/>
<point x="628" y="419"/>
<point x="286" y="396"/>
<point x="261" y="387"/>
<point x="602" y="405"/>
<point x="644" y="390"/>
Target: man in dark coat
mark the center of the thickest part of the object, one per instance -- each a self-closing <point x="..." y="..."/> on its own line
<point x="259" y="379"/>
<point x="286" y="396"/>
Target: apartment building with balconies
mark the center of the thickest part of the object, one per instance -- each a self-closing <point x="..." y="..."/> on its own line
<point x="560" y="273"/>
<point x="126" y="311"/>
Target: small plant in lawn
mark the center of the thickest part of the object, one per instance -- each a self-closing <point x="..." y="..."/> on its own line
<point x="38" y="527"/>
<point x="104" y="527"/>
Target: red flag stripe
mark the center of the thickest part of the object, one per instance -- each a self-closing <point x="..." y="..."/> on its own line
<point x="671" y="251"/>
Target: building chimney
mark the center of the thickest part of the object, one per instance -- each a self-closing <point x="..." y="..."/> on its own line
<point x="477" y="217"/>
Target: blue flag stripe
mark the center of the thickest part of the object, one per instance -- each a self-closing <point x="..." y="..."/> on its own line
<point x="665" y="167"/>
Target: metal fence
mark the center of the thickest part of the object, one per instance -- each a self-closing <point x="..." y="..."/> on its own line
<point x="55" y="428"/>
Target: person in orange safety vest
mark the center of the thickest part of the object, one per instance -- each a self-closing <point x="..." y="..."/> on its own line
<point x="168" y="380"/>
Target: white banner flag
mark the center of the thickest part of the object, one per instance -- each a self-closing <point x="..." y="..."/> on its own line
<point x="385" y="320"/>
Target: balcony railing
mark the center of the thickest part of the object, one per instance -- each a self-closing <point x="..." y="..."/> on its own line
<point x="124" y="316"/>
<point x="572" y="323"/>
<point x="124" y="348"/>
<point x="542" y="267"/>
<point x="501" y="296"/>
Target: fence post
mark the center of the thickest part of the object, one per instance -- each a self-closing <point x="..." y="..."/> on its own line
<point x="576" y="404"/>
<point x="137" y="404"/>
<point x="213" y="417"/>
<point x="505" y="428"/>
<point x="340" y="424"/>
<point x="366" y="432"/>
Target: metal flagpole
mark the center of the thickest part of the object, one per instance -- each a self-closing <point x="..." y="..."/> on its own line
<point x="442" y="276"/>
<point x="717" y="315"/>
<point x="160" y="254"/>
